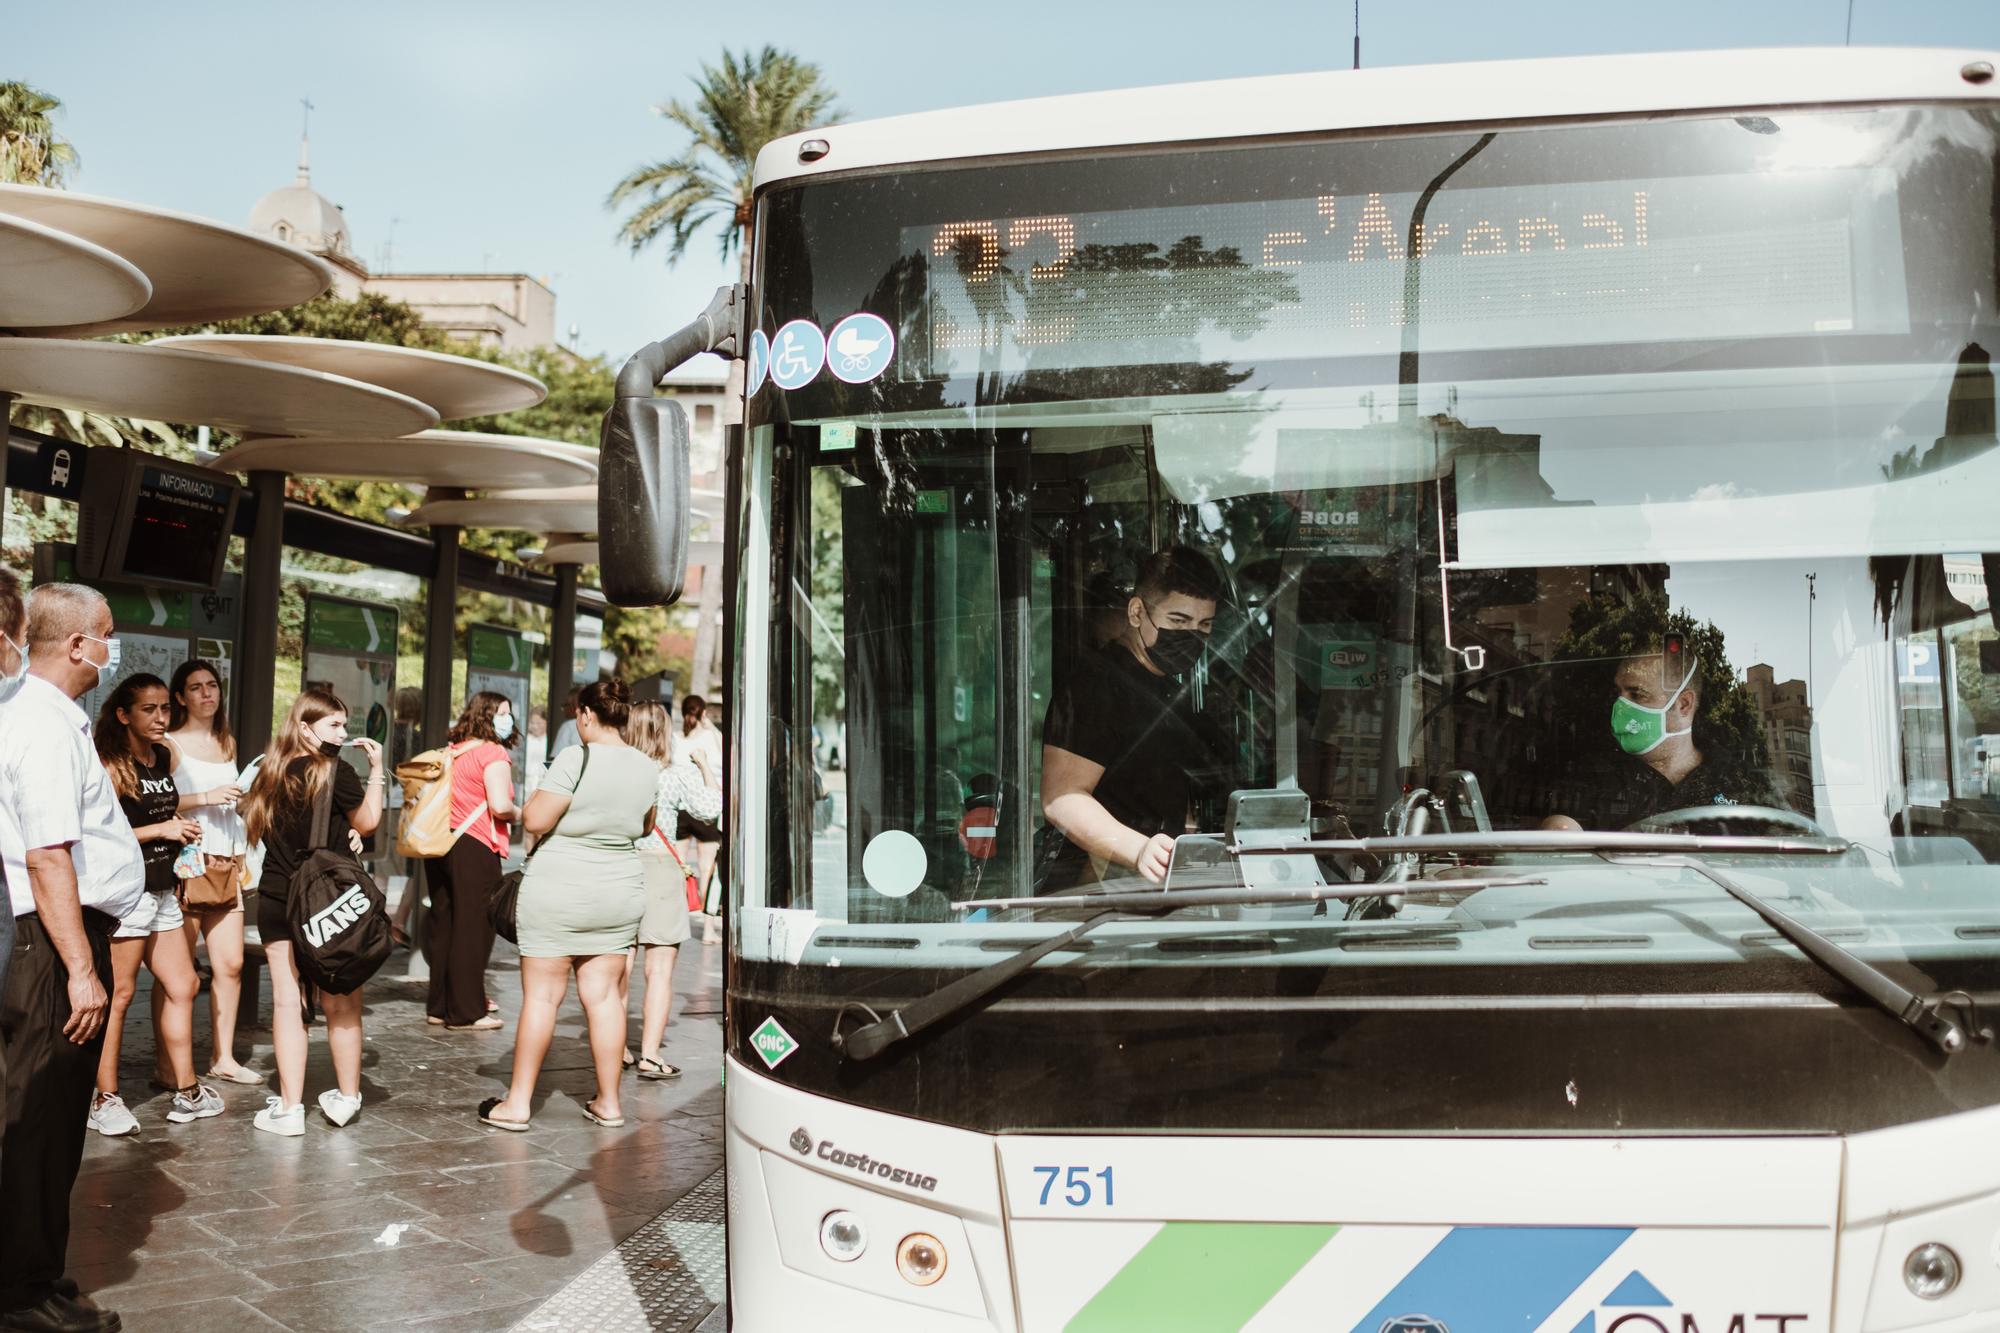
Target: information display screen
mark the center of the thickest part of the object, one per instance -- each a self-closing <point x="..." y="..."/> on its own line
<point x="1650" y="259"/>
<point x="177" y="524"/>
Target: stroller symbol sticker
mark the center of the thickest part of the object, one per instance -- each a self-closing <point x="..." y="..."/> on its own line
<point x="862" y="346"/>
<point x="797" y="353"/>
<point x="759" y="363"/>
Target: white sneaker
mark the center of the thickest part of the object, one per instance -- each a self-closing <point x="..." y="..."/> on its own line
<point x="109" y="1117"/>
<point x="205" y="1102"/>
<point x="278" y="1118"/>
<point x="337" y="1108"/>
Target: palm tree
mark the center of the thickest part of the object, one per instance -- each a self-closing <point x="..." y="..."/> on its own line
<point x="738" y="108"/>
<point x="30" y="151"/>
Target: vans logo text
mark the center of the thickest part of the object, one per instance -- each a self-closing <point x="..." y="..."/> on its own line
<point x="343" y="912"/>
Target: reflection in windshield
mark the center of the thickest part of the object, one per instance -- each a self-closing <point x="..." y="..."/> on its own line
<point x="1377" y="472"/>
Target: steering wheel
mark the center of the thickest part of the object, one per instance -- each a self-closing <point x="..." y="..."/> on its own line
<point x="1675" y="821"/>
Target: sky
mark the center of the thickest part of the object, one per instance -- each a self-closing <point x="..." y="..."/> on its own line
<point x="477" y="136"/>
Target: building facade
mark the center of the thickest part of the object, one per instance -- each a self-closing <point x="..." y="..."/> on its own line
<point x="1786" y="718"/>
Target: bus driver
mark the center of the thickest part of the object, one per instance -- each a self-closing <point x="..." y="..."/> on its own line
<point x="1125" y="754"/>
<point x="1654" y="711"/>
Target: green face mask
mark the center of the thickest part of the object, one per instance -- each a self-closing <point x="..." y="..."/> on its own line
<point x="1641" y="730"/>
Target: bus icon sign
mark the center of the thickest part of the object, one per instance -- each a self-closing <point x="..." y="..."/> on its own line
<point x="772" y="1043"/>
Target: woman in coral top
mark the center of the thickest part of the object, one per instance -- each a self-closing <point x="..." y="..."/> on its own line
<point x="459" y="936"/>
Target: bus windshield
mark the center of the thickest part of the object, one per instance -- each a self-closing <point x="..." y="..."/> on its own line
<point x="1104" y="517"/>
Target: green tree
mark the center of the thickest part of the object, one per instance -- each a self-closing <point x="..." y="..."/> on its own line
<point x="369" y="317"/>
<point x="739" y="106"/>
<point x="31" y="152"/>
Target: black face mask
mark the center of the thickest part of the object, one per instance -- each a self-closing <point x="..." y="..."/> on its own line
<point x="1175" y="651"/>
<point x="331" y="749"/>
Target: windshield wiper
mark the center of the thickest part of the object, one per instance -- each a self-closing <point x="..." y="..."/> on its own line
<point x="870" y="1040"/>
<point x="1923" y="1014"/>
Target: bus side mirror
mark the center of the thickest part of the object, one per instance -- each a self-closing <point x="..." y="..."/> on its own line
<point x="642" y="501"/>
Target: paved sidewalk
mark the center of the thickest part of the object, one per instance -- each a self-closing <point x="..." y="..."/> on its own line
<point x="413" y="1216"/>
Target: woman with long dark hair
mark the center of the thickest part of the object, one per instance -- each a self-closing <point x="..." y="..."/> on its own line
<point x="205" y="771"/>
<point x="459" y="939"/>
<point x="130" y="731"/>
<point x="302" y="761"/>
<point x="581" y="900"/>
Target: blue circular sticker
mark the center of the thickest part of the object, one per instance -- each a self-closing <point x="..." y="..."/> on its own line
<point x="860" y="347"/>
<point x="759" y="363"/>
<point x="797" y="353"/>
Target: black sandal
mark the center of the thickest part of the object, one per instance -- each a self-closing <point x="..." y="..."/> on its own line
<point x="659" y="1069"/>
<point x="486" y="1117"/>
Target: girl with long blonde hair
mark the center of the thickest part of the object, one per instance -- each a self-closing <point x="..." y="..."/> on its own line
<point x="664" y="927"/>
<point x="302" y="762"/>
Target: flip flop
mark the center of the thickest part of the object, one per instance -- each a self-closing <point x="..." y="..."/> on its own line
<point x="486" y="1024"/>
<point x="630" y="1059"/>
<point x="486" y="1117"/>
<point x="659" y="1069"/>
<point x="609" y="1122"/>
<point x="246" y="1078"/>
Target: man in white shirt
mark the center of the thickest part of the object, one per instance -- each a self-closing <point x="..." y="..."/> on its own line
<point x="73" y="868"/>
<point x="566" y="734"/>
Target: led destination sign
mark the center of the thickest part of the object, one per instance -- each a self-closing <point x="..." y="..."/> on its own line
<point x="1566" y="264"/>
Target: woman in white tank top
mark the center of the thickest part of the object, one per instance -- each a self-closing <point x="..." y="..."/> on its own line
<point x="206" y="774"/>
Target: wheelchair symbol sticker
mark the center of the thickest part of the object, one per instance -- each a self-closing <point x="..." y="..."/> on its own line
<point x="861" y="348"/>
<point x="759" y="364"/>
<point x="797" y="353"/>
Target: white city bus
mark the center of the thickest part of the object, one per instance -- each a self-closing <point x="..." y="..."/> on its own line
<point x="1490" y="395"/>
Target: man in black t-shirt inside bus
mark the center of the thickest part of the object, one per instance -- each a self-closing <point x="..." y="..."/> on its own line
<point x="1125" y="753"/>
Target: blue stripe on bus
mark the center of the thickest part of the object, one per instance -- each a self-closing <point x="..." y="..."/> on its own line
<point x="1504" y="1279"/>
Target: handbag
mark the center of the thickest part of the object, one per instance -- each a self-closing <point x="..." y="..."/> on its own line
<point x="218" y="885"/>
<point x="692" y="885"/>
<point x="503" y="908"/>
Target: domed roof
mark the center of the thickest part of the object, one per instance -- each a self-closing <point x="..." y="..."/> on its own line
<point x="300" y="215"/>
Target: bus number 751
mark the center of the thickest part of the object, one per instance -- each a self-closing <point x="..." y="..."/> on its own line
<point x="1076" y="1187"/>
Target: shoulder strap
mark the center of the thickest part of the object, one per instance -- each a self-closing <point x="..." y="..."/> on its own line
<point x="322" y="820"/>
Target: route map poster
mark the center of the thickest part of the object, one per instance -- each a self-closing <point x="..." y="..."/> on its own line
<point x="501" y="660"/>
<point x="350" y="649"/>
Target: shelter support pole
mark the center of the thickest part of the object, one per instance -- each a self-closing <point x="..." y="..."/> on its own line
<point x="256" y="667"/>
<point x="6" y="435"/>
<point x="441" y="635"/>
<point x="562" y="645"/>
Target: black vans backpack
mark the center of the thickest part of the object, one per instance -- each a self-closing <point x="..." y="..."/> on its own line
<point x="339" y="919"/>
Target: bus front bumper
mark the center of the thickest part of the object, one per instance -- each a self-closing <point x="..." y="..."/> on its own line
<point x="1096" y="1234"/>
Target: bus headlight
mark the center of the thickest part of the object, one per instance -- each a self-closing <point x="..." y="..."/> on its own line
<point x="1931" y="1272"/>
<point x="920" y="1259"/>
<point x="842" y="1236"/>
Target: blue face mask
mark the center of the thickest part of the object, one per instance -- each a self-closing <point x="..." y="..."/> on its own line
<point x="503" y="726"/>
<point x="113" y="649"/>
<point x="10" y="685"/>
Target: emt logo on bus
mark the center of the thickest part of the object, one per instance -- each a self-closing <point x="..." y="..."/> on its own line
<point x="1636" y="1295"/>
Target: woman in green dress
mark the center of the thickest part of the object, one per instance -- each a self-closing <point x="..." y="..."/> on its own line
<point x="581" y="900"/>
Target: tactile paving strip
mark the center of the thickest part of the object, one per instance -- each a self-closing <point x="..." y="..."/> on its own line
<point x="668" y="1275"/>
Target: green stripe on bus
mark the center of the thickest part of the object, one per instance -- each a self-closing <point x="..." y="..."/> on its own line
<point x="1201" y="1277"/>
